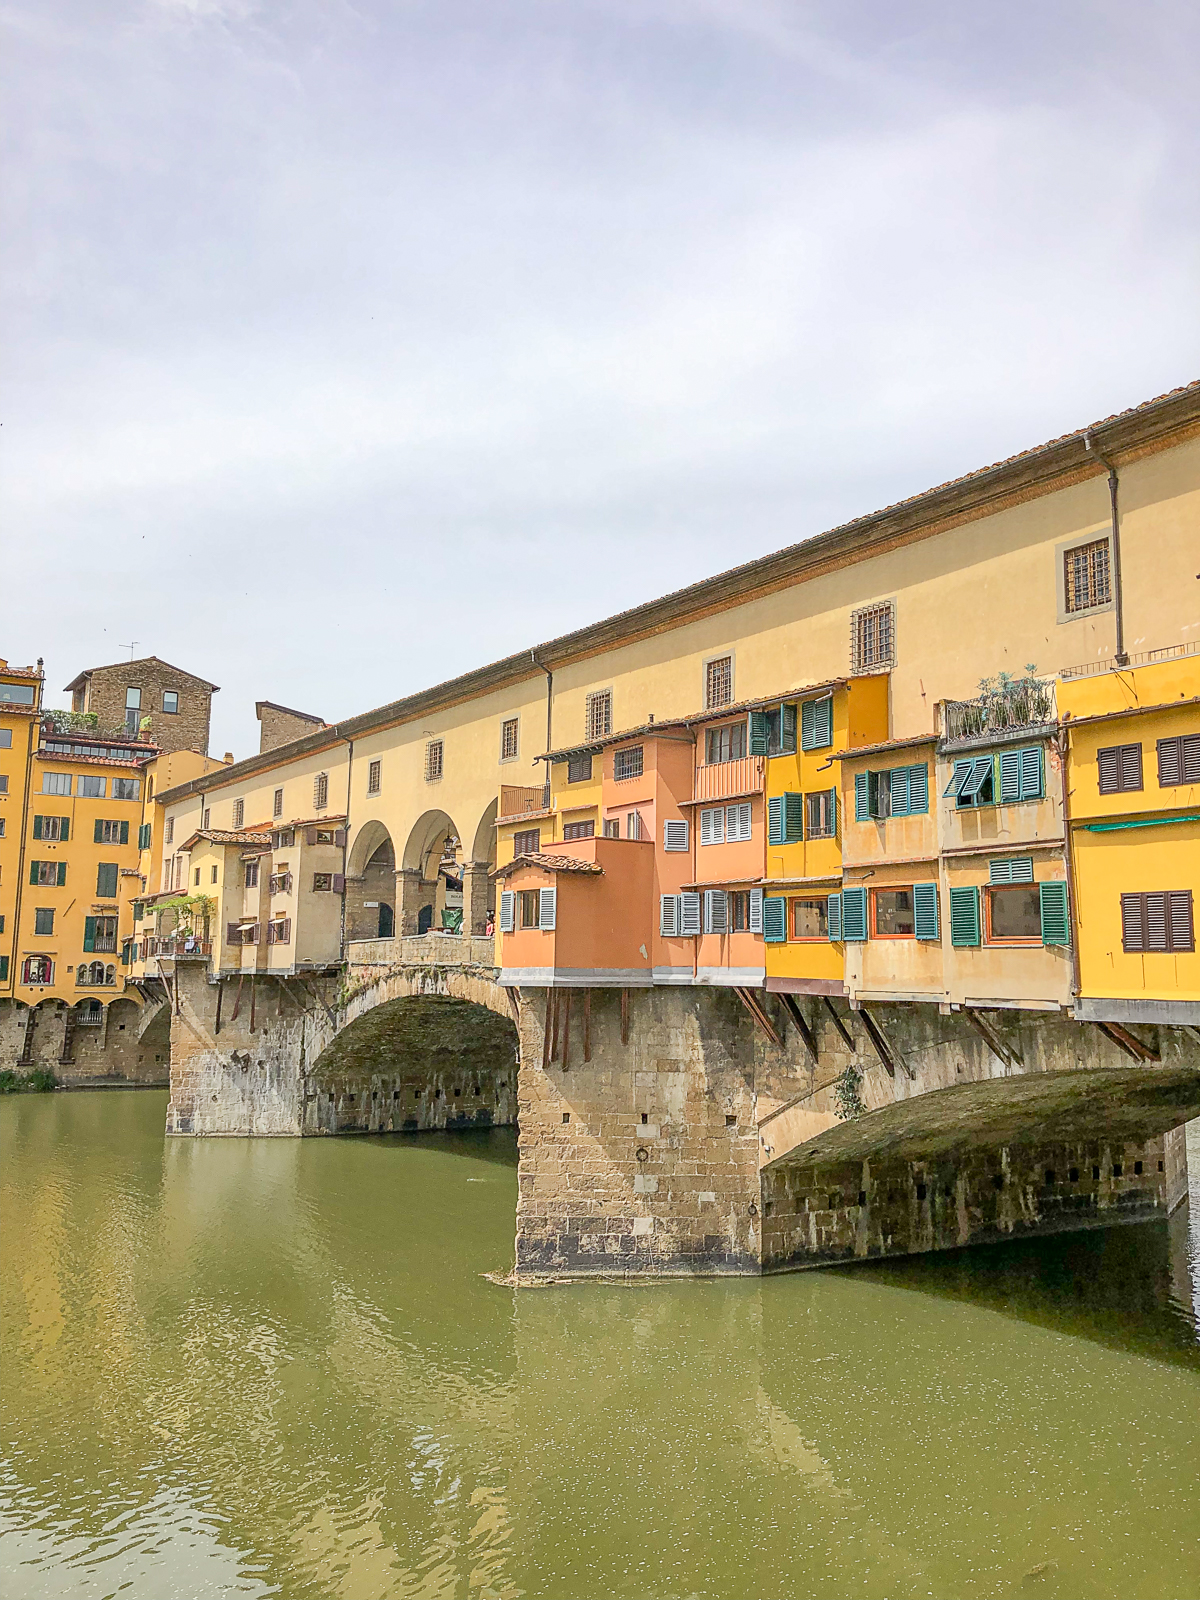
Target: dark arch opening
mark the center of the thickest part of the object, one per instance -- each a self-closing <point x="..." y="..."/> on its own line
<point x="414" y="1064"/>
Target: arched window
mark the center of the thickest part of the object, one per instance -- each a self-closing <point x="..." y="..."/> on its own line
<point x="96" y="972"/>
<point x="81" y="973"/>
<point x="110" y="974"/>
<point x="37" y="969"/>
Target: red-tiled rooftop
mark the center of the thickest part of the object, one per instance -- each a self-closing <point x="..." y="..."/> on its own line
<point x="548" y="863"/>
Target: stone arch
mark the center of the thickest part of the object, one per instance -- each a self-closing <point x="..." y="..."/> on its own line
<point x="479" y="887"/>
<point x="418" y="1049"/>
<point x="424" y="886"/>
<point x="371" y="883"/>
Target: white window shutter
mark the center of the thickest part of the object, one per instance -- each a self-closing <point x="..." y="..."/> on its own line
<point x="675" y="833"/>
<point x="712" y="826"/>
<point x="547" y="906"/>
<point x="689" y="915"/>
<point x="756" y="900"/>
<point x="668" y="916"/>
<point x="737" y="822"/>
<point x="508" y="911"/>
<point x="715" y="911"/>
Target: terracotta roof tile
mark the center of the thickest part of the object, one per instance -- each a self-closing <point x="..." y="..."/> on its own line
<point x="549" y="863"/>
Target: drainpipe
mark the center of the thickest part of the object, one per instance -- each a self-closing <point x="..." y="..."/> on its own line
<point x="1064" y="753"/>
<point x="549" y="711"/>
<point x="1118" y="603"/>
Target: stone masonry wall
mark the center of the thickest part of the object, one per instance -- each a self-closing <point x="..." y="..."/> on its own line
<point x="103" y="1055"/>
<point x="186" y="729"/>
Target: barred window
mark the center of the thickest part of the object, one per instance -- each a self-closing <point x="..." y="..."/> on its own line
<point x="320" y="791"/>
<point x="508" y="739"/>
<point x="718" y="682"/>
<point x="433" y="761"/>
<point x="599" y="715"/>
<point x="239" y="813"/>
<point x="277" y="804"/>
<point x="873" y="638"/>
<point x="1087" y="579"/>
<point x="170" y="833"/>
<point x="627" y="763"/>
<point x="374" y="777"/>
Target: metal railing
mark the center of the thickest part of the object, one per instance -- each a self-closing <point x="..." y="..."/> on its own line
<point x="1171" y="652"/>
<point x="721" y="779"/>
<point x="105" y="943"/>
<point x="517" y="801"/>
<point x="1023" y="703"/>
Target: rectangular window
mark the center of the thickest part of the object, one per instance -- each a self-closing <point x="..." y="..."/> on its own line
<point x="1086" y="579"/>
<point x="16" y="694"/>
<point x="126" y="788"/>
<point x="529" y="907"/>
<point x="145" y="835"/>
<point x="47" y="874"/>
<point x="718" y="682"/>
<point x="213" y="877"/>
<point x="725" y="744"/>
<point x="972" y="782"/>
<point x="712" y="826"/>
<point x="169" y="837"/>
<point x="633" y="825"/>
<point x="737" y="823"/>
<point x="170" y="702"/>
<point x="3" y="821"/>
<point x="1119" y="768"/>
<point x="612" y="827"/>
<point x="716" y="911"/>
<point x="1179" y="760"/>
<point x="321" y="788"/>
<point x="527" y="843"/>
<point x="781" y="730"/>
<point x="579" y="830"/>
<point x="277" y="804"/>
<point x="810" y="918"/>
<point x="1014" y="916"/>
<point x="579" y="769"/>
<point x="893" y="914"/>
<point x="56" y="783"/>
<point x="106" y="880"/>
<point x="37" y="969"/>
<point x="821" y="814"/>
<point x="133" y="699"/>
<point x="5" y="738"/>
<point x="374" y="778"/>
<point x="598" y="717"/>
<point x="322" y="881"/>
<point x="43" y="920"/>
<point x="816" y="724"/>
<point x="675" y="833"/>
<point x="739" y="910"/>
<point x="239" y="813"/>
<point x="111" y="832"/>
<point x="433" y="761"/>
<point x="3" y="782"/>
<point x="873" y="638"/>
<point x="252" y="874"/>
<point x="55" y="828"/>
<point x="627" y="763"/>
<point x="508" y="739"/>
<point x="1161" y="921"/>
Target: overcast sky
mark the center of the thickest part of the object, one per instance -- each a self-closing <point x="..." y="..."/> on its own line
<point x="349" y="346"/>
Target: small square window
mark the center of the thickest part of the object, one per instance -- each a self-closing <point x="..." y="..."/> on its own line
<point x="170" y="703"/>
<point x="528" y="842"/>
<point x="810" y="918"/>
<point x="873" y="638"/>
<point x="894" y="914"/>
<point x="627" y="763"/>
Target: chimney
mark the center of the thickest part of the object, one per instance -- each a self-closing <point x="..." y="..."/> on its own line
<point x="229" y="758"/>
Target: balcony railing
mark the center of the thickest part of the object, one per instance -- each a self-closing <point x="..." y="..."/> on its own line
<point x="1023" y="704"/>
<point x="184" y="946"/>
<point x="517" y="801"/>
<point x="105" y="942"/>
<point x="722" y="779"/>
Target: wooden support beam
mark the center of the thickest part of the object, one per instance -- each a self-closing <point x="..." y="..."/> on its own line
<point x="751" y="1002"/>
<point x="624" y="1016"/>
<point x="587" y="1024"/>
<point x="566" y="1027"/>
<point x="546" y="1033"/>
<point x="237" y="999"/>
<point x="838" y="1024"/>
<point x="876" y="1037"/>
<point x="253" y="996"/>
<point x="554" y="1037"/>
<point x="1010" y="1057"/>
<point x="1128" y="1042"/>
<point x="802" y="1028"/>
<point x="220" y="993"/>
<point x="514" y="1002"/>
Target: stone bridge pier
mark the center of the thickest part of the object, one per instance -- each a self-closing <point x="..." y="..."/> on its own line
<point x="700" y="1130"/>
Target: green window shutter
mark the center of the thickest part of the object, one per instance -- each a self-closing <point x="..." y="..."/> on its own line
<point x="62" y="873"/>
<point x="1012" y="869"/>
<point x="854" y="915"/>
<point x="106" y="880"/>
<point x="98" y="837"/>
<point x="898" y="784"/>
<point x="775" y="819"/>
<point x="787" y="730"/>
<point x="833" y="813"/>
<point x="834" y="912"/>
<point x="862" y="797"/>
<point x="808" y="722"/>
<point x="33" y="872"/>
<point x="964" y="916"/>
<point x="1032" y="782"/>
<point x="793" y="818"/>
<point x="124" y="833"/>
<point x="925" y="910"/>
<point x="824" y="718"/>
<point x="1010" y="776"/>
<point x="774" y="919"/>
<point x="64" y="832"/>
<point x="3" y="969"/>
<point x="89" y="933"/>
<point x="918" y="790"/>
<point x="1056" y="923"/>
<point x="758" y="733"/>
<point x="37" y="827"/>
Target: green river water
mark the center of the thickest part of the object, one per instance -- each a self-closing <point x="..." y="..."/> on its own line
<point x="239" y="1367"/>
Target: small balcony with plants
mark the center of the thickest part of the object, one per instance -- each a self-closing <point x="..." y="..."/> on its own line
<point x="1005" y="704"/>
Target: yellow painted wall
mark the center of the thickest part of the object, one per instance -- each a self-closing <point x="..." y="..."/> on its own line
<point x="18" y="740"/>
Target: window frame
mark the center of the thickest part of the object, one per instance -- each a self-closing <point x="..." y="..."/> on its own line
<point x="527" y="898"/>
<point x="374" y="776"/>
<point x="520" y="849"/>
<point x="1169" y="947"/>
<point x="1181" y="741"/>
<point x="239" y="813"/>
<point x="636" y="757"/>
<point x="598" y="700"/>
<point x="510" y="726"/>
<point x="575" y="763"/>
<point x="716" y="734"/>
<point x="859" y="665"/>
<point x="277" y="804"/>
<point x="830" y="797"/>
<point x="1121" y="753"/>
<point x="794" y="901"/>
<point x="873" y="907"/>
<point x="435" y="760"/>
<point x="580" y="830"/>
<point x="170" y="694"/>
<point x="1022" y="941"/>
<point x="726" y="661"/>
<point x="1063" y="552"/>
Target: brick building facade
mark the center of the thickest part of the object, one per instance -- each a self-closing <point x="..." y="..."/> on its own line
<point x="170" y="707"/>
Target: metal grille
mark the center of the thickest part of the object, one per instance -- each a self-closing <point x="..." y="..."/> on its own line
<point x="873" y="638"/>
<point x="599" y="714"/>
<point x="508" y="739"/>
<point x="718" y="682"/>
<point x="1086" y="576"/>
<point x="374" y="777"/>
<point x="627" y="763"/>
<point x="433" y="761"/>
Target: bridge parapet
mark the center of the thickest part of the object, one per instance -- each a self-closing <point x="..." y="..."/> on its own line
<point x="422" y="950"/>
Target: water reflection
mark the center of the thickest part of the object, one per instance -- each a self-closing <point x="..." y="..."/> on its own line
<point x="274" y="1368"/>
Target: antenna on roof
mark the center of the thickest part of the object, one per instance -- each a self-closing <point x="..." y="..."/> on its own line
<point x="131" y="647"/>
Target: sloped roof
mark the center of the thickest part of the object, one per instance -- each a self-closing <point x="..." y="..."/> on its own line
<point x="288" y="711"/>
<point x="142" y="661"/>
<point x="549" y="863"/>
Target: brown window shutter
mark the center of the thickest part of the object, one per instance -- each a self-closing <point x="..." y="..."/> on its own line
<point x="339" y="883"/>
<point x="1131" y="766"/>
<point x="1108" y="763"/>
<point x="287" y="931"/>
<point x="1170" y="762"/>
<point x="312" y="836"/>
<point x="339" y="838"/>
<point x="1181" y="931"/>
<point x="1156" y="921"/>
<point x="1133" y="933"/>
<point x="233" y="934"/>
<point x="1189" y="757"/>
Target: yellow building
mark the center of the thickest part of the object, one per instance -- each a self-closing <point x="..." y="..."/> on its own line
<point x="1133" y="762"/>
<point x="20" y="706"/>
<point x="805" y="827"/>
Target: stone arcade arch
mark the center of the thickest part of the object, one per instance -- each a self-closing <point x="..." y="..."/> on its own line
<point x="371" y="884"/>
<point x="420" y="881"/>
<point x="479" y="888"/>
<point x="416" y="1050"/>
